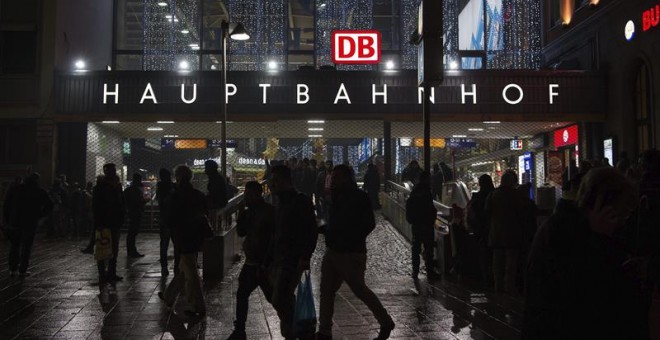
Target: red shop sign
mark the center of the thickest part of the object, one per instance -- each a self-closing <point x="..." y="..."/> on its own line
<point x="566" y="136"/>
<point x="356" y="46"/>
<point x="651" y="18"/>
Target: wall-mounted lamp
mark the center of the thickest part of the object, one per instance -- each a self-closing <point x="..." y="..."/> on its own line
<point x="566" y="9"/>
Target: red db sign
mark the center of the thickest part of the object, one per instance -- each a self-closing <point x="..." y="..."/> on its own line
<point x="356" y="47"/>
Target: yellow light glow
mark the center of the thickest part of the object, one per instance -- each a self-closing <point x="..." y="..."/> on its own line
<point x="566" y="8"/>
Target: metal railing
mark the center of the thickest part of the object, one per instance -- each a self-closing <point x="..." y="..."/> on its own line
<point x="222" y="220"/>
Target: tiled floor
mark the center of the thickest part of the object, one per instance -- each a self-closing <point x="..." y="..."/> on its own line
<point x="62" y="299"/>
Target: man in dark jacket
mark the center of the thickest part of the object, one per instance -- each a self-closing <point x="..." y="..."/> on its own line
<point x="108" y="209"/>
<point x="135" y="202"/>
<point x="188" y="209"/>
<point x="293" y="243"/>
<point x="437" y="180"/>
<point x="25" y="206"/>
<point x="372" y="185"/>
<point x="351" y="221"/>
<point x="255" y="224"/>
<point x="421" y="214"/>
<point x="164" y="190"/>
<point x="217" y="186"/>
<point x="581" y="284"/>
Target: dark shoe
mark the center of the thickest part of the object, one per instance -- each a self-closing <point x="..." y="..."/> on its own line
<point x="13" y="273"/>
<point x="237" y="334"/>
<point x="114" y="278"/>
<point x="135" y="255"/>
<point x="24" y="274"/>
<point x="87" y="250"/>
<point x="433" y="275"/>
<point x="414" y="275"/>
<point x="385" y="331"/>
<point x="193" y="314"/>
<point x="164" y="271"/>
<point x="320" y="336"/>
<point x="161" y="295"/>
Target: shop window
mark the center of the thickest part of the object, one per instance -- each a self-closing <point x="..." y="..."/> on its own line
<point x="643" y="110"/>
<point x="18" y="36"/>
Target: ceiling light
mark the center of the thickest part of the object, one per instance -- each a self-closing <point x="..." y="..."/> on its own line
<point x="155" y="128"/>
<point x="492" y="122"/>
<point x="213" y="67"/>
<point x="453" y="65"/>
<point x="475" y="129"/>
<point x="272" y="65"/>
<point x="80" y="65"/>
<point x="168" y="16"/>
<point x="315" y="129"/>
<point x="171" y="136"/>
<point x="459" y="136"/>
<point x="316" y="121"/>
<point x="220" y="122"/>
<point x="162" y="4"/>
<point x="185" y="31"/>
<point x="184" y="65"/>
<point x="165" y="122"/>
<point x="315" y="136"/>
<point x="110" y="122"/>
<point x="176" y="19"/>
<point x="239" y="33"/>
<point x="389" y="65"/>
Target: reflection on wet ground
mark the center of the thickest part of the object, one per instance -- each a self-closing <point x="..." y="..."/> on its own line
<point x="62" y="299"/>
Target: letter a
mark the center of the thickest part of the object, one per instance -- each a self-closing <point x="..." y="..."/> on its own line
<point x="342" y="94"/>
<point x="148" y="94"/>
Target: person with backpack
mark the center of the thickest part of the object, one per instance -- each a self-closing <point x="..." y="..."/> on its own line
<point x="478" y="223"/>
<point x="421" y="214"/>
<point x="351" y="221"/>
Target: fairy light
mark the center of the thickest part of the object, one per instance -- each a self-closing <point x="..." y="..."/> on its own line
<point x="166" y="39"/>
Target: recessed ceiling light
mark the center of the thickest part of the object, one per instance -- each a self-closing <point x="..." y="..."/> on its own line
<point x="184" y="65"/>
<point x="492" y="122"/>
<point x="171" y="136"/>
<point x="80" y="65"/>
<point x="162" y="4"/>
<point x="315" y="129"/>
<point x="475" y="129"/>
<point x="315" y="136"/>
<point x="185" y="31"/>
<point x="272" y="65"/>
<point x="459" y="136"/>
<point x="110" y="122"/>
<point x="165" y="122"/>
<point x="168" y="16"/>
<point x="316" y="121"/>
<point x="155" y="128"/>
<point x="389" y="65"/>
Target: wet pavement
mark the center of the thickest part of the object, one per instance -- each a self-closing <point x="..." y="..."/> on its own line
<point x="62" y="299"/>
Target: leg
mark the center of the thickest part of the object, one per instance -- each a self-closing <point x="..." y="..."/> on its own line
<point x="247" y="283"/>
<point x="331" y="280"/>
<point x="177" y="259"/>
<point x="14" y="249"/>
<point x="354" y="266"/>
<point x="286" y="280"/>
<point x="429" y="245"/>
<point x="193" y="285"/>
<point x="174" y="288"/>
<point x="498" y="269"/>
<point x="416" y="249"/>
<point x="112" y="264"/>
<point x="92" y="239"/>
<point x="27" y="240"/>
<point x="511" y="269"/>
<point x="164" y="244"/>
<point x="133" y="226"/>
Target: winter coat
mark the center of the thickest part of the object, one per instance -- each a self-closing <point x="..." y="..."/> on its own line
<point x="25" y="205"/>
<point x="187" y="212"/>
<point x="108" y="203"/>
<point x="421" y="213"/>
<point x="503" y="209"/>
<point x="256" y="224"/>
<point x="351" y="221"/>
<point x="295" y="229"/>
<point x="217" y="188"/>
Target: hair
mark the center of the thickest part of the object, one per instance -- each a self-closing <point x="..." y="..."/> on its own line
<point x="344" y="170"/>
<point x="109" y="165"/>
<point x="424" y="177"/>
<point x="414" y="162"/>
<point x="183" y="173"/>
<point x="486" y="183"/>
<point x="610" y="184"/>
<point x="33" y="178"/>
<point x="165" y="174"/>
<point x="282" y="171"/>
<point x="509" y="179"/>
<point x="253" y="185"/>
<point x="211" y="164"/>
<point x="436" y="167"/>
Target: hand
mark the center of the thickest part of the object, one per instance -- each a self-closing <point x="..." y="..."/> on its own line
<point x="303" y="264"/>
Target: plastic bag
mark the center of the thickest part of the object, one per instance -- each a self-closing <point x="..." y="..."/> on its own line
<point x="304" y="317"/>
<point x="103" y="246"/>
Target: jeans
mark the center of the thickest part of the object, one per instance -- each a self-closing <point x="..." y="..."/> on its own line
<point x="341" y="267"/>
<point x="428" y="254"/>
<point x="112" y="263"/>
<point x="22" y="239"/>
<point x="187" y="279"/>
<point x="285" y="280"/>
<point x="248" y="280"/>
<point x="165" y="236"/>
<point x="505" y="267"/>
<point x="134" y="221"/>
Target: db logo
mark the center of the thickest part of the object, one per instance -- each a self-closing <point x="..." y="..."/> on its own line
<point x="356" y="47"/>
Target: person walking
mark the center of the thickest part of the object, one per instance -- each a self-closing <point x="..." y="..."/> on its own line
<point x="293" y="243"/>
<point x="255" y="224"/>
<point x="135" y="202"/>
<point x="351" y="221"/>
<point x="164" y="190"/>
<point x="505" y="232"/>
<point x="188" y="208"/>
<point x="479" y="222"/>
<point x="372" y="185"/>
<point x="421" y="214"/>
<point x="24" y="206"/>
<point x="437" y="181"/>
<point x="217" y="186"/>
<point x="108" y="208"/>
<point x="88" y="218"/>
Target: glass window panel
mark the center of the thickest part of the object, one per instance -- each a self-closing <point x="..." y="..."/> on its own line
<point x="18" y="12"/>
<point x="471" y="63"/>
<point x="471" y="26"/>
<point x="129" y="33"/>
<point x="212" y="62"/>
<point x="18" y="52"/>
<point x="301" y="26"/>
<point x="214" y="14"/>
<point x="296" y="61"/>
<point x="129" y="62"/>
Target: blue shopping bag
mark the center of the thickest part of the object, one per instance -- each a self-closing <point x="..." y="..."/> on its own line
<point x="304" y="317"/>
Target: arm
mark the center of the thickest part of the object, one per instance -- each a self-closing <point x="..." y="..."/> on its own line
<point x="367" y="216"/>
<point x="242" y="224"/>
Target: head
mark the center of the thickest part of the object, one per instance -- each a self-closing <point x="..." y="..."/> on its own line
<point x="328" y="165"/>
<point x="165" y="175"/>
<point x="371" y="167"/>
<point x="89" y="186"/>
<point x="210" y="167"/>
<point x="33" y="179"/>
<point x="183" y="175"/>
<point x="585" y="166"/>
<point x="281" y="179"/>
<point x="305" y="162"/>
<point x="137" y="180"/>
<point x="424" y="179"/>
<point x="486" y="183"/>
<point x="414" y="164"/>
<point x="62" y="178"/>
<point x="342" y="179"/>
<point x="605" y="189"/>
<point x="509" y="180"/>
<point x="436" y="167"/>
<point x="253" y="193"/>
<point x="110" y="170"/>
<point x="606" y="161"/>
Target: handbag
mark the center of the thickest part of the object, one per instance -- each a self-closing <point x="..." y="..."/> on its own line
<point x="103" y="245"/>
<point x="304" y="316"/>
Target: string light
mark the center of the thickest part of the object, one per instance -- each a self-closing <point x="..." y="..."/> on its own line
<point x="165" y="43"/>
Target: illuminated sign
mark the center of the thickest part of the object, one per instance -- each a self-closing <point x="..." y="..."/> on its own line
<point x="629" y="31"/>
<point x="435" y="142"/>
<point x="566" y="136"/>
<point x="651" y="18"/>
<point x="356" y="46"/>
<point x="460" y="143"/>
<point x="516" y="144"/>
<point x="251" y="161"/>
<point x="200" y="162"/>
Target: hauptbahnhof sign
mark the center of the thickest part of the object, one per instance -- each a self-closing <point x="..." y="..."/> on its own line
<point x="341" y="94"/>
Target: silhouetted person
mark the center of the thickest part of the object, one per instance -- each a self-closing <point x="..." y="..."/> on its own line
<point x="164" y="190"/>
<point x="505" y="234"/>
<point x="624" y="162"/>
<point x="437" y="180"/>
<point x="135" y="202"/>
<point x="372" y="185"/>
<point x="108" y="208"/>
<point x="345" y="260"/>
<point x="187" y="210"/>
<point x="24" y="206"/>
<point x="579" y="282"/>
<point x="421" y="214"/>
<point x="447" y="172"/>
<point x="293" y="243"/>
<point x="88" y="218"/>
<point x="217" y="186"/>
<point x="59" y="220"/>
<point x="411" y="172"/>
<point x="478" y="221"/>
<point x="232" y="190"/>
<point x="323" y="183"/>
<point x="75" y="208"/>
<point x="255" y="224"/>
